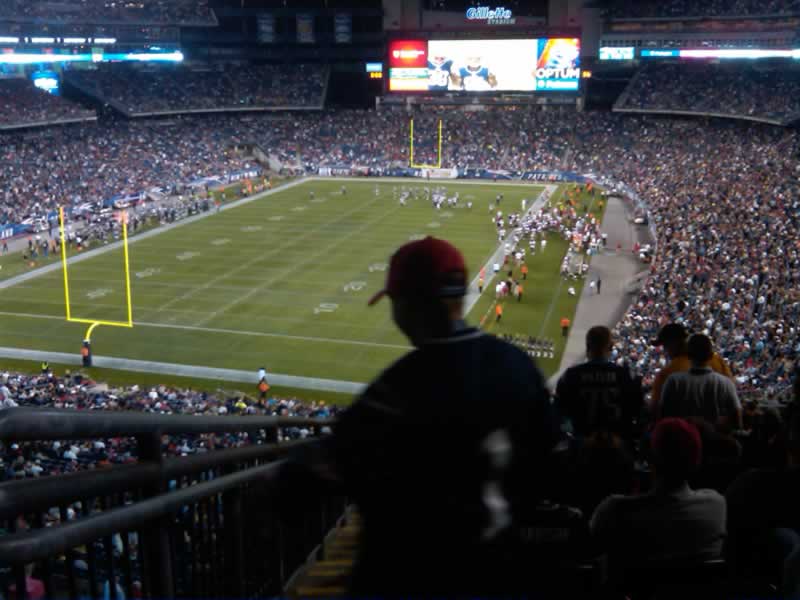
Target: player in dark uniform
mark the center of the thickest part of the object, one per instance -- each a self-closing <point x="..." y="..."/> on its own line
<point x="599" y="395"/>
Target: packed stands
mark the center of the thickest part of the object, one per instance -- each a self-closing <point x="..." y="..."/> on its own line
<point x="735" y="184"/>
<point x="135" y="91"/>
<point x="736" y="90"/>
<point x="97" y="162"/>
<point x="640" y="9"/>
<point x="75" y="391"/>
<point x="164" y="12"/>
<point x="723" y="199"/>
<point x="23" y="104"/>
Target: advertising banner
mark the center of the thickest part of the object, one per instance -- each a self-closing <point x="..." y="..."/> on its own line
<point x="305" y="29"/>
<point x="266" y="28"/>
<point x="343" y="28"/>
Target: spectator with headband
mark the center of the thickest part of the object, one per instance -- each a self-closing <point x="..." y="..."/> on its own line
<point x="444" y="444"/>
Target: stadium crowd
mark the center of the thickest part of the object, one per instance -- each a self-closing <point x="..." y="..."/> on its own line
<point x="22" y="103"/>
<point x="724" y="200"/>
<point x="737" y="90"/>
<point x="78" y="392"/>
<point x="165" y="12"/>
<point x="182" y="89"/>
<point x="640" y="9"/>
<point x="96" y="162"/>
<point x="740" y="282"/>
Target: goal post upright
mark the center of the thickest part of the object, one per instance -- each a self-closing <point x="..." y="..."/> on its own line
<point x="93" y="323"/>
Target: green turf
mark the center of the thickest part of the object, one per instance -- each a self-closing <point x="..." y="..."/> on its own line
<point x="280" y="282"/>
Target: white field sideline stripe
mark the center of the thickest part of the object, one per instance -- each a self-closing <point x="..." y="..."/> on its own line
<point x="163" y="228"/>
<point x="56" y="266"/>
<point x="301" y="338"/>
<point x="145" y="366"/>
<point x="473" y="295"/>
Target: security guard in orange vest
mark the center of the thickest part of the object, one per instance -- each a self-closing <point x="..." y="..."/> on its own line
<point x="263" y="388"/>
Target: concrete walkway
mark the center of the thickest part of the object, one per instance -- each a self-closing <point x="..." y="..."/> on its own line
<point x="615" y="272"/>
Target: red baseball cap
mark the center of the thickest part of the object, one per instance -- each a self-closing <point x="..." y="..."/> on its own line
<point x="429" y="267"/>
<point x="676" y="442"/>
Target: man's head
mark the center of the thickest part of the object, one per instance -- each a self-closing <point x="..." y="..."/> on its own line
<point x="700" y="349"/>
<point x="474" y="61"/>
<point x="673" y="338"/>
<point x="598" y="342"/>
<point x="677" y="450"/>
<point x="426" y="283"/>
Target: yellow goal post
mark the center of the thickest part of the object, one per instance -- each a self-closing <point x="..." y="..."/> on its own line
<point x="126" y="262"/>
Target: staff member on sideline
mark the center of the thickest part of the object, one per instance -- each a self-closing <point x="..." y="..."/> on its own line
<point x="440" y="480"/>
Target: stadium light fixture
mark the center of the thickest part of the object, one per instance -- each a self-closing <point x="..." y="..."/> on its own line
<point x="74" y="40"/>
<point x="43" y="40"/>
<point x="105" y="40"/>
<point x="7" y="39"/>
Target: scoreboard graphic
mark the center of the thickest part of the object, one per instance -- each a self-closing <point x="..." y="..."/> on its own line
<point x="532" y="65"/>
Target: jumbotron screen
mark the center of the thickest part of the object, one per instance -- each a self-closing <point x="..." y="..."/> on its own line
<point x="535" y="65"/>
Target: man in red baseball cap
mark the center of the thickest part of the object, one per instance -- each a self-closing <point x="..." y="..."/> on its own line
<point x="440" y="452"/>
<point x="426" y="283"/>
<point x="672" y="522"/>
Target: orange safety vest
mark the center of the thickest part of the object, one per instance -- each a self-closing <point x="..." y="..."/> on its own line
<point x="525" y="269"/>
<point x="499" y="309"/>
<point x="564" y="322"/>
<point x="84" y="351"/>
<point x="263" y="386"/>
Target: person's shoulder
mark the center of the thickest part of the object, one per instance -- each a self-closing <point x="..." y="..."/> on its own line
<point x="708" y="496"/>
<point x="607" y="511"/>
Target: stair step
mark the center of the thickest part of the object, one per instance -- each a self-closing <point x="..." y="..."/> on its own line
<point x="328" y="577"/>
<point x="327" y="592"/>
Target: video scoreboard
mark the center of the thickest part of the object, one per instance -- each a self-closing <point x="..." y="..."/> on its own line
<point x="485" y="65"/>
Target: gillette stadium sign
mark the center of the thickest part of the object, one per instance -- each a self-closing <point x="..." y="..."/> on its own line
<point x="497" y="16"/>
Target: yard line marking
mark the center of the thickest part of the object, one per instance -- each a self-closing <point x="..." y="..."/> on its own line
<point x="301" y="338"/>
<point x="557" y="293"/>
<point x="56" y="266"/>
<point x="473" y="295"/>
<point x="295" y="266"/>
<point x="260" y="257"/>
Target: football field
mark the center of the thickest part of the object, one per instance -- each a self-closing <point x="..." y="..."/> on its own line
<point x="282" y="282"/>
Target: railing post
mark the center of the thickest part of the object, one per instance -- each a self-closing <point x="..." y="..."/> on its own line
<point x="157" y="553"/>
<point x="234" y="540"/>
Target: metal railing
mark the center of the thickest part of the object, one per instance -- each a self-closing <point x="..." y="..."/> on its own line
<point x="213" y="524"/>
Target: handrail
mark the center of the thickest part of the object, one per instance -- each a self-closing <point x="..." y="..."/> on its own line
<point x="698" y="113"/>
<point x="38" y="544"/>
<point x="33" y="424"/>
<point x="26" y="495"/>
